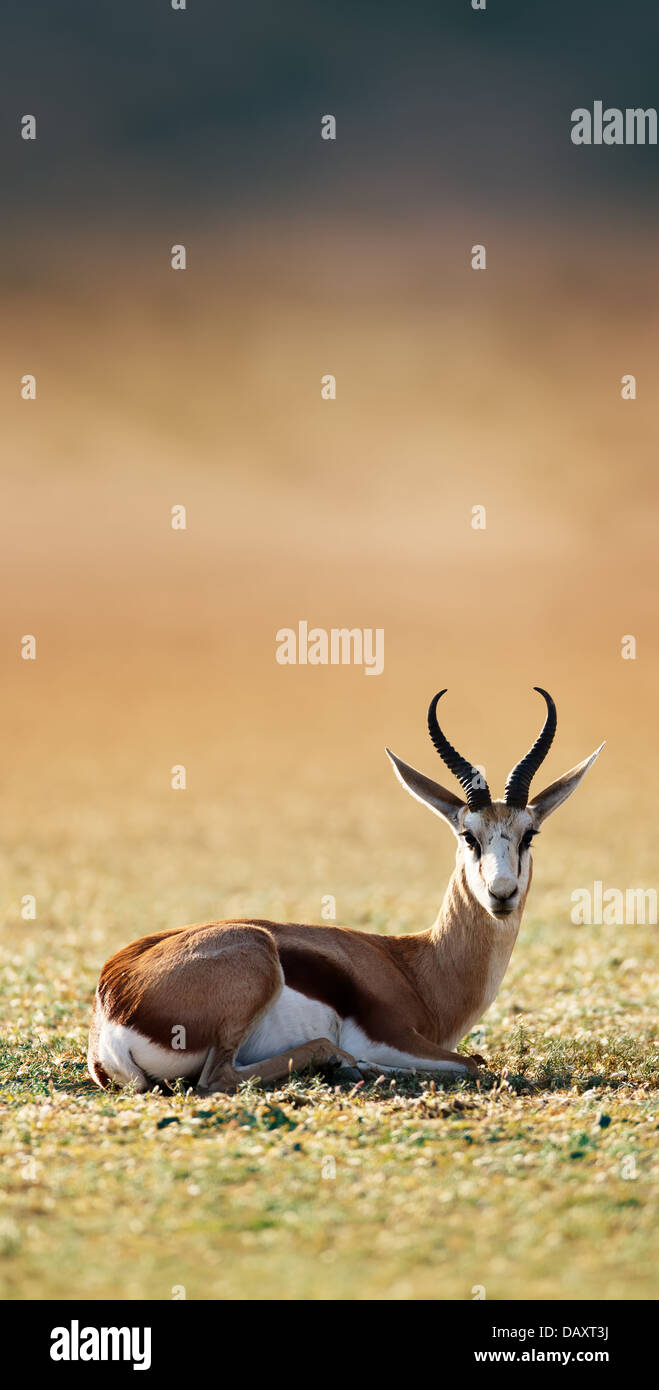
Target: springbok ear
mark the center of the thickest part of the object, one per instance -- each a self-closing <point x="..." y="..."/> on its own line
<point x="553" y="795"/>
<point x="441" y="801"/>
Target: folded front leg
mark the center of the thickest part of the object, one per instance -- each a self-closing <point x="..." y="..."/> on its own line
<point x="221" y="1074"/>
<point x="409" y="1052"/>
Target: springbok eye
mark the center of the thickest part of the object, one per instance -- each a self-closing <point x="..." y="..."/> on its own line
<point x="471" y="841"/>
<point x="527" y="838"/>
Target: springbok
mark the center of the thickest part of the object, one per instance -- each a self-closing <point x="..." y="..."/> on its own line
<point x="222" y="1001"/>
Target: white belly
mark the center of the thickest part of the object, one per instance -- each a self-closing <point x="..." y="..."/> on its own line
<point x="293" y="1019"/>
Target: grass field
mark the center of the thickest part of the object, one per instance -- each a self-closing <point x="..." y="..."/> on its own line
<point x="540" y="1182"/>
<point x="157" y="648"/>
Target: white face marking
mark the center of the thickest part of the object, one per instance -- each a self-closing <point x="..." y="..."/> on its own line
<point x="496" y="856"/>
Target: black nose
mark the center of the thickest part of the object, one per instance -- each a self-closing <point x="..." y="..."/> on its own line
<point x="505" y="898"/>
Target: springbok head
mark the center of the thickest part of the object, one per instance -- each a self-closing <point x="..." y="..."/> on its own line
<point x="494" y="837"/>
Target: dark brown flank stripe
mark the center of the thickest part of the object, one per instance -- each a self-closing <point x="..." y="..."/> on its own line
<point x="329" y="964"/>
<point x="313" y="975"/>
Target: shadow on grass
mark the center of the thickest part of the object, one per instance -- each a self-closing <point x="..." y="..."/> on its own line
<point x="526" y="1067"/>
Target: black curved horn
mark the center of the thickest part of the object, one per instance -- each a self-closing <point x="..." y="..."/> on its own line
<point x="519" y="780"/>
<point x="477" y="797"/>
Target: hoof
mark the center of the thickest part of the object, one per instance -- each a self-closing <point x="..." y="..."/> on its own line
<point x="351" y="1074"/>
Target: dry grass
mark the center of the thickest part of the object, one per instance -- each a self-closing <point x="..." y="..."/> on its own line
<point x="541" y="1183"/>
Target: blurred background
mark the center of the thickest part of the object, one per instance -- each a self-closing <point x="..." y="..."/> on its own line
<point x="455" y="388"/>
